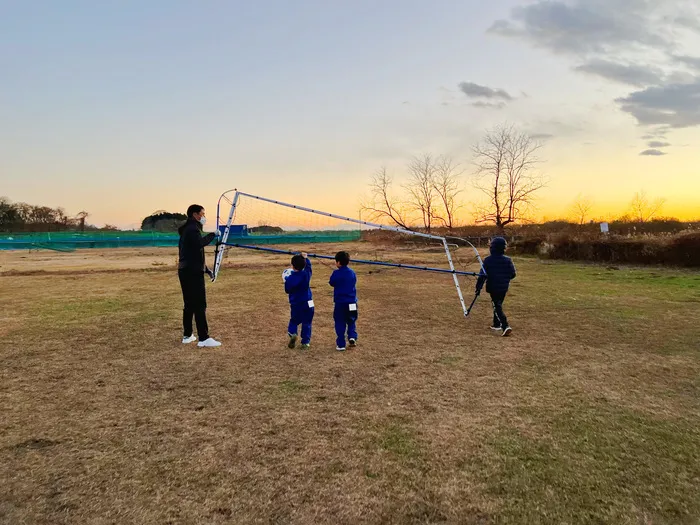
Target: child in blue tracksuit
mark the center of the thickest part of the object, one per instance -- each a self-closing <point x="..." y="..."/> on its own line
<point x="297" y="285"/>
<point x="500" y="270"/>
<point x="343" y="280"/>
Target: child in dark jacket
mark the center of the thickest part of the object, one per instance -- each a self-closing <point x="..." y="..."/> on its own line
<point x="500" y="270"/>
<point x="344" y="280"/>
<point x="297" y="285"/>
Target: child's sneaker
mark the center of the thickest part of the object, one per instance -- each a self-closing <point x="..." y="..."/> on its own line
<point x="506" y="331"/>
<point x="187" y="340"/>
<point x="292" y="340"/>
<point x="305" y="346"/>
<point x="209" y="343"/>
<point x="353" y="342"/>
<point x="497" y="328"/>
<point x="339" y="349"/>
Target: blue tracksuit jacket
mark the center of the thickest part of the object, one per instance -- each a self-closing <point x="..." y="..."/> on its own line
<point x="343" y="281"/>
<point x="297" y="285"/>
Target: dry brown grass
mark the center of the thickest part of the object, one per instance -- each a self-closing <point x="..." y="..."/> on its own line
<point x="590" y="413"/>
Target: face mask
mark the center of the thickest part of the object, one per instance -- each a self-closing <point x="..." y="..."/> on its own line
<point x="203" y="221"/>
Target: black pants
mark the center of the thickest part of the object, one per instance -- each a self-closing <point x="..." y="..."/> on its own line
<point x="195" y="298"/>
<point x="499" y="317"/>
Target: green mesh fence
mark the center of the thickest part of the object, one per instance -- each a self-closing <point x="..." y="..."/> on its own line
<point x="69" y="241"/>
<point x="296" y="237"/>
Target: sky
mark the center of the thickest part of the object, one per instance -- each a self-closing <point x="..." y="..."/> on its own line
<point x="125" y="108"/>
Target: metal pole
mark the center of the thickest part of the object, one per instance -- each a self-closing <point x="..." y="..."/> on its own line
<point x="454" y="276"/>
<point x="219" y="257"/>
<point x="358" y="261"/>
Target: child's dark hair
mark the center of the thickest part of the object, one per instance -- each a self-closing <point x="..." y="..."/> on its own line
<point x="298" y="262"/>
<point x="343" y="258"/>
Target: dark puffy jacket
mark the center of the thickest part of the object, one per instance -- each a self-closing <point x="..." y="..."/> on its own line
<point x="499" y="268"/>
<point x="191" y="246"/>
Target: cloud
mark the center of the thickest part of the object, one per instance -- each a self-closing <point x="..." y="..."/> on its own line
<point x="632" y="42"/>
<point x="693" y="62"/>
<point x="658" y="144"/>
<point x="652" y="153"/>
<point x="672" y="105"/>
<point x="473" y="90"/>
<point x="583" y="27"/>
<point x="489" y="105"/>
<point x="550" y="128"/>
<point x="691" y="22"/>
<point x="633" y="75"/>
<point x="658" y="133"/>
<point x="680" y="77"/>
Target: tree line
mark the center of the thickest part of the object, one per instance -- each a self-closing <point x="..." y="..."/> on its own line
<point x="20" y="216"/>
<point x="23" y="217"/>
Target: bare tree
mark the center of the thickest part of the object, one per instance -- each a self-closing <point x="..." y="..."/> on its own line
<point x="421" y="188"/>
<point x="642" y="209"/>
<point x="23" y="216"/>
<point x="581" y="209"/>
<point x="382" y="204"/>
<point x="43" y="215"/>
<point x="24" y="211"/>
<point x="62" y="217"/>
<point x="506" y="161"/>
<point x="80" y="218"/>
<point x="9" y="216"/>
<point x="446" y="183"/>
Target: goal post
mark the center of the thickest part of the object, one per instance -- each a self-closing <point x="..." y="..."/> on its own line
<point x="254" y="222"/>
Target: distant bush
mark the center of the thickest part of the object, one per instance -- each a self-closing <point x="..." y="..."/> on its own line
<point x="679" y="250"/>
<point x="528" y="245"/>
<point x="684" y="249"/>
<point x="163" y="221"/>
<point x="626" y="227"/>
<point x="265" y="229"/>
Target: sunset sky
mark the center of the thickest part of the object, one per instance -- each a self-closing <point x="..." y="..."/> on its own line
<point x="124" y="108"/>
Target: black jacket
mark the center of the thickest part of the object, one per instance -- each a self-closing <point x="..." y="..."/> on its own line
<point x="192" y="245"/>
<point x="499" y="268"/>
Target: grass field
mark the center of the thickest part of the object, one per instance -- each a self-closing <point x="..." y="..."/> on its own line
<point x="590" y="413"/>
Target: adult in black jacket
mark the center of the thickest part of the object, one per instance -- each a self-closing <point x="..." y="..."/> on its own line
<point x="500" y="270"/>
<point x="191" y="270"/>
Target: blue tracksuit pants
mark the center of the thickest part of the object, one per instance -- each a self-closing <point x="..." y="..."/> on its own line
<point x="344" y="323"/>
<point x="301" y="315"/>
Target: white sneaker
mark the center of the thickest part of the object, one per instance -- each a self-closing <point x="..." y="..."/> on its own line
<point x="188" y="340"/>
<point x="340" y="349"/>
<point x="497" y="328"/>
<point x="209" y="343"/>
